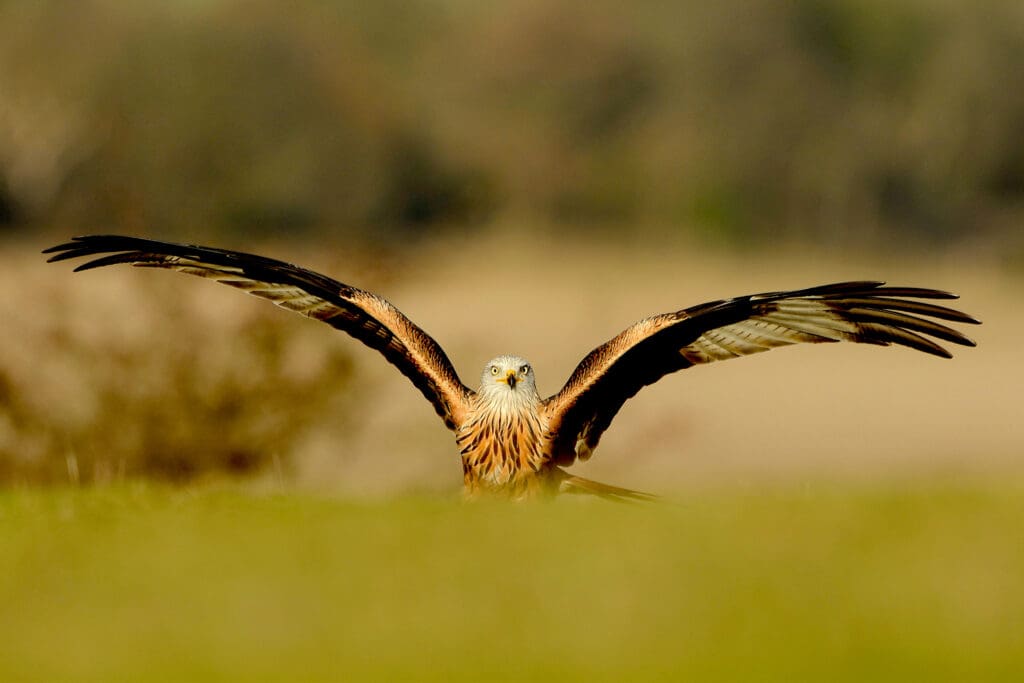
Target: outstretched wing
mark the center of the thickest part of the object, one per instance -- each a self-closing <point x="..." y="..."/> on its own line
<point x="863" y="312"/>
<point x="367" y="317"/>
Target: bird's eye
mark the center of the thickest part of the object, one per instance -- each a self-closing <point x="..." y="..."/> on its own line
<point x="494" y="369"/>
<point x="525" y="369"/>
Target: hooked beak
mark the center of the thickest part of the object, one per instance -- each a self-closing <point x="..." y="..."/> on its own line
<point x="509" y="379"/>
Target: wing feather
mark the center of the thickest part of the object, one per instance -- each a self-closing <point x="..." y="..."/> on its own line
<point x="864" y="312"/>
<point x="365" y="316"/>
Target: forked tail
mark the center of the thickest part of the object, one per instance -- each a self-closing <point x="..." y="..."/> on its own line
<point x="574" y="484"/>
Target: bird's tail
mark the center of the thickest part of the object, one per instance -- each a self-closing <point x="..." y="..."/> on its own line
<point x="574" y="484"/>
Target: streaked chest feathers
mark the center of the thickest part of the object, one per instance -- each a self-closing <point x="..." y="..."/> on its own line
<point x="503" y="450"/>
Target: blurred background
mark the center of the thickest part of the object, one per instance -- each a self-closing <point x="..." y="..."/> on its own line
<point x="196" y="485"/>
<point x="566" y="167"/>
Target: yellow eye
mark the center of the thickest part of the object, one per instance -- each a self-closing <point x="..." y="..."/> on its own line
<point x="494" y="369"/>
<point x="525" y="369"/>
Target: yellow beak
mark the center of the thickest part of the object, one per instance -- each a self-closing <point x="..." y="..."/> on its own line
<point x="509" y="379"/>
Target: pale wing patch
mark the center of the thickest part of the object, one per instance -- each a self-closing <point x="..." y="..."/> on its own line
<point x="793" y="322"/>
<point x="286" y="296"/>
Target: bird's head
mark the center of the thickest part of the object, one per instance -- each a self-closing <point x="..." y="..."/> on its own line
<point x="508" y="377"/>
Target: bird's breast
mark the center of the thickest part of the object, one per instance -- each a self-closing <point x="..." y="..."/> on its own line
<point x="503" y="453"/>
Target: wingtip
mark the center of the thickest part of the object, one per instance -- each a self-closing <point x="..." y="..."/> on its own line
<point x="962" y="340"/>
<point x="59" y="247"/>
<point x="65" y="247"/>
<point x="919" y="293"/>
<point x="86" y="245"/>
<point x="63" y="252"/>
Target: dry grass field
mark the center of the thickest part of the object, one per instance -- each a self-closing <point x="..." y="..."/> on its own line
<point x="99" y="366"/>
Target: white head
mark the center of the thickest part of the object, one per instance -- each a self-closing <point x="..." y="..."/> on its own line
<point x="508" y="380"/>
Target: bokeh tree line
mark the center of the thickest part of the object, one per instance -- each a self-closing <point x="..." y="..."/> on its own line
<point x="851" y="121"/>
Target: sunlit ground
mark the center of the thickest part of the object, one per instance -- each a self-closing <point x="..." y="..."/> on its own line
<point x="827" y="583"/>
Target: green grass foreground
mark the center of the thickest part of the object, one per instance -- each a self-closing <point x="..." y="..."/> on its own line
<point x="149" y="584"/>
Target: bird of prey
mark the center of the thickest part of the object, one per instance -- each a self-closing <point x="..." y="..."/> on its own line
<point x="513" y="442"/>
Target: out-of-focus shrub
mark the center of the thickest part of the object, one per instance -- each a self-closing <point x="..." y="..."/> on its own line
<point x="100" y="380"/>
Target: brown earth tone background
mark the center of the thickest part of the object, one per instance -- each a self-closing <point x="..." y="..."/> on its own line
<point x="108" y="362"/>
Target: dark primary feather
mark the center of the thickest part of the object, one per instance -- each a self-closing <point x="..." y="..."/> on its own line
<point x="862" y="312"/>
<point x="365" y="316"/>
